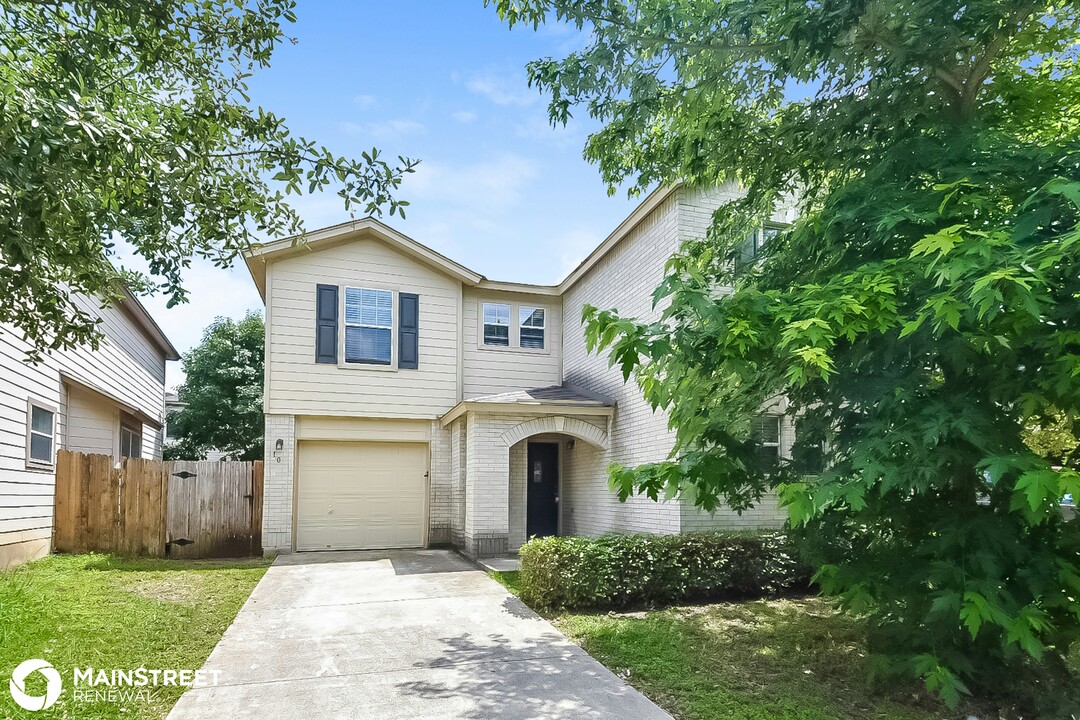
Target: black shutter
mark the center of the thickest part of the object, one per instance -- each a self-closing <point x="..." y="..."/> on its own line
<point x="408" y="331"/>
<point x="326" y="331"/>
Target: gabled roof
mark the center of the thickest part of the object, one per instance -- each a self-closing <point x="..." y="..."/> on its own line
<point x="345" y="232"/>
<point x="258" y="256"/>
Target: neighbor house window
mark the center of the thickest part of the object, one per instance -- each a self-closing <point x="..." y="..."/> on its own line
<point x="369" y="325"/>
<point x="496" y="324"/>
<point x="766" y="436"/>
<point x="532" y="327"/>
<point x="130" y="436"/>
<point x="40" y="434"/>
<point x="752" y="249"/>
<point x="170" y="426"/>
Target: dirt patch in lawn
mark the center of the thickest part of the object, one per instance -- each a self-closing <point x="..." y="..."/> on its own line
<point x="188" y="588"/>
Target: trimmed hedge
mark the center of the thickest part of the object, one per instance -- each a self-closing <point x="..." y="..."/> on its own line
<point x="621" y="570"/>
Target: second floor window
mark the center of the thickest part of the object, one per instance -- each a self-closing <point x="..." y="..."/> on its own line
<point x="496" y="324"/>
<point x="752" y="249"/>
<point x="369" y="326"/>
<point x="531" y="321"/>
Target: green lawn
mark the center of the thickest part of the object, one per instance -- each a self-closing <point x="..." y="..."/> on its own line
<point x="766" y="660"/>
<point x="106" y="612"/>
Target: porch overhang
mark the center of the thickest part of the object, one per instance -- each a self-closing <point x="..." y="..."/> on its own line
<point x="561" y="400"/>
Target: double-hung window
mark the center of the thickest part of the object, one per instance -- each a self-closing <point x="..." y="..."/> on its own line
<point x="40" y="434"/>
<point x="369" y="326"/>
<point x="497" y="324"/>
<point x="752" y="249"/>
<point x="766" y="436"/>
<point x="531" y="321"/>
<point x="130" y="436"/>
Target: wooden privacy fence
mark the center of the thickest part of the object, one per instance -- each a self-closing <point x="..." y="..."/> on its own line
<point x="178" y="509"/>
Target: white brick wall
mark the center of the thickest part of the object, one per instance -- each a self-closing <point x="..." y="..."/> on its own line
<point x="625" y="279"/>
<point x="519" y="456"/>
<point x="441" y="486"/>
<point x="278" y="482"/>
<point x="457" y="471"/>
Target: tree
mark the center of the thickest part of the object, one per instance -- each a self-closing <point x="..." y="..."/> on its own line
<point x="922" y="310"/>
<point x="128" y="120"/>
<point x="222" y="394"/>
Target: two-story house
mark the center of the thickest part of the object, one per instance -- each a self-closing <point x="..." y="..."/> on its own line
<point x="412" y="402"/>
<point x="108" y="401"/>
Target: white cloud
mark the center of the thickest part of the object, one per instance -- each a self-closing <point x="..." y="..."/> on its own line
<point x="490" y="186"/>
<point x="384" y="130"/>
<point x="463" y="116"/>
<point x="365" y="101"/>
<point x="503" y="89"/>
<point x="537" y="128"/>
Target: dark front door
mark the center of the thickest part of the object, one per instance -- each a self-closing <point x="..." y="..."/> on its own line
<point x="543" y="495"/>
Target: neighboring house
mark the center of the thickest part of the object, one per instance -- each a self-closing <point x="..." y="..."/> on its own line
<point x="173" y="406"/>
<point x="412" y="402"/>
<point x="107" y="401"/>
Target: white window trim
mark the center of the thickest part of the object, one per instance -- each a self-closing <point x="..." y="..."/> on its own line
<point x="33" y="463"/>
<point x="515" y="327"/>
<point x="356" y="365"/>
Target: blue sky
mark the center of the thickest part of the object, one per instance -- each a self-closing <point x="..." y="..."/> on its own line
<point x="498" y="189"/>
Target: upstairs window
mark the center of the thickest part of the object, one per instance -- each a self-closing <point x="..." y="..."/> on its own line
<point x="496" y="324"/>
<point x="40" y="434"/>
<point x="766" y="436"/>
<point x="369" y="326"/>
<point x="752" y="249"/>
<point x="531" y="320"/>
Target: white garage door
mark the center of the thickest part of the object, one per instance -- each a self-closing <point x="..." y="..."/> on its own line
<point x="361" y="495"/>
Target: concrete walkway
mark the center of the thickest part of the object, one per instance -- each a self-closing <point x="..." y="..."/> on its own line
<point x="399" y="634"/>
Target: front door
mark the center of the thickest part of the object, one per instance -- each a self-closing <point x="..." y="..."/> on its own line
<point x="543" y="496"/>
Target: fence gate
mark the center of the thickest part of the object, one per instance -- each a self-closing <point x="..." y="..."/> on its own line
<point x="215" y="509"/>
<point x="147" y="507"/>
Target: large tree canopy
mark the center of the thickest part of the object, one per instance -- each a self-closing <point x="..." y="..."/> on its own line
<point x="129" y="120"/>
<point x="222" y="394"/>
<point x="922" y="312"/>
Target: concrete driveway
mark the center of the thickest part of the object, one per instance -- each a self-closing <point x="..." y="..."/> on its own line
<point x="399" y="634"/>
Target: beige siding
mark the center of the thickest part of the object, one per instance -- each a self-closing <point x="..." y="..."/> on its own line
<point x="92" y="423"/>
<point x="297" y="385"/>
<point x="26" y="496"/>
<point x="491" y="370"/>
<point x="127" y="366"/>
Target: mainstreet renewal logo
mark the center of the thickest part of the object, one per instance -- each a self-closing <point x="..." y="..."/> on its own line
<point x="90" y="685"/>
<point x="35" y="702"/>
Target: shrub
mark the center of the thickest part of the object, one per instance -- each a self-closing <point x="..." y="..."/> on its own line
<point x="621" y="570"/>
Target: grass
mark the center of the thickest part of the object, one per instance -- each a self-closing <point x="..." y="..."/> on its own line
<point x="107" y="612"/>
<point x="795" y="659"/>
<point x="508" y="580"/>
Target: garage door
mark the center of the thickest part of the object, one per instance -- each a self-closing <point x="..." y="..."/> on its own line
<point x="361" y="495"/>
